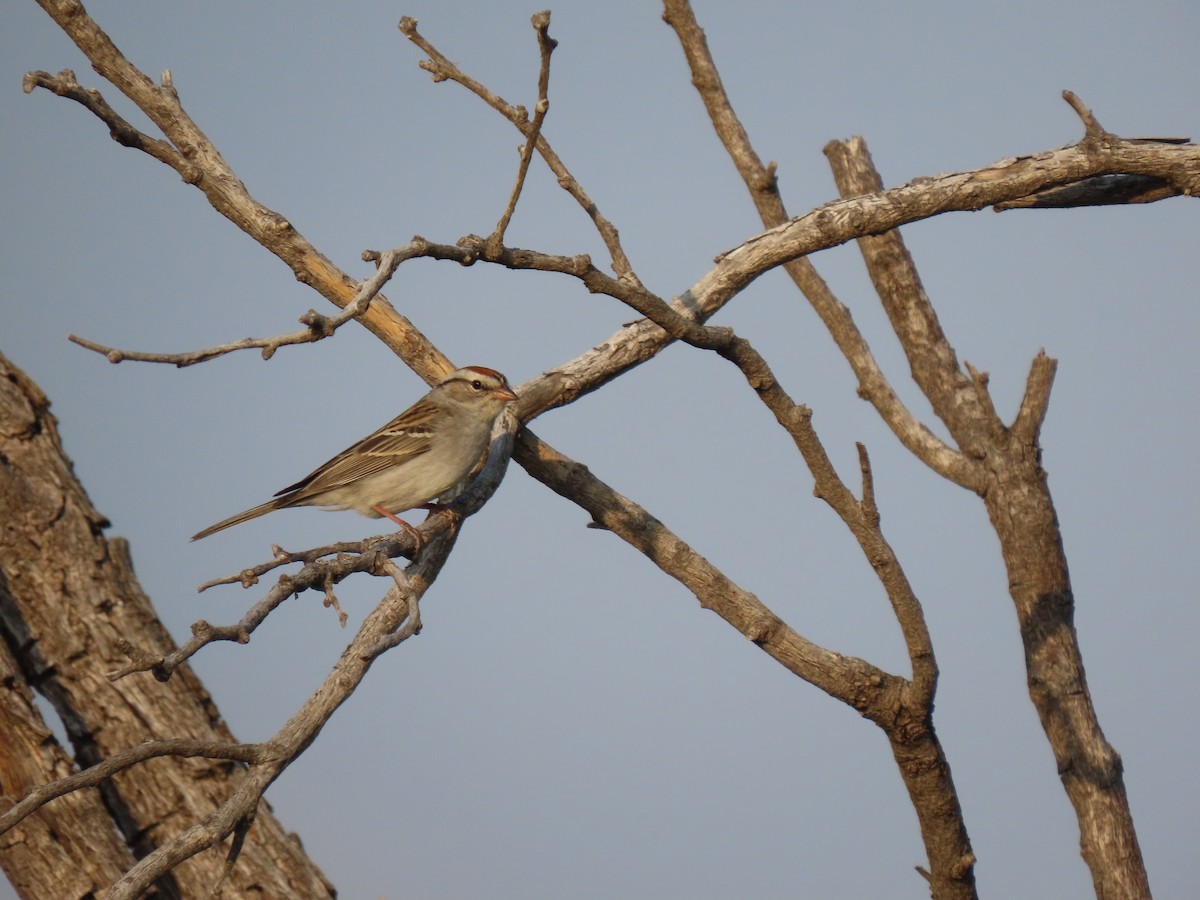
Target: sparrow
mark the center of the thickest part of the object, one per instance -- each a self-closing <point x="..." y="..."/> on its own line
<point x="422" y="455"/>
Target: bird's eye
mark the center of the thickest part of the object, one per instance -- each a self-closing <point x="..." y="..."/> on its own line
<point x="477" y="384"/>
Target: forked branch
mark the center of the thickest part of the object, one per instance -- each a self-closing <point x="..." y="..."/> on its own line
<point x="443" y="69"/>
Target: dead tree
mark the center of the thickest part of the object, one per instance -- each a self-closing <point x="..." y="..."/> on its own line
<point x="997" y="460"/>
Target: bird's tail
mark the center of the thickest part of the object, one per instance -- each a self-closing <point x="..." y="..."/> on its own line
<point x="253" y="513"/>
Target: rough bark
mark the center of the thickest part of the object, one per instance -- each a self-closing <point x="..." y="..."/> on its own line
<point x="68" y="596"/>
<point x="71" y="848"/>
<point x="1022" y="513"/>
<point x="1012" y="483"/>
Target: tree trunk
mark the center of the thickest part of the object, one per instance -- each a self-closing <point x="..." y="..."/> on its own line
<point x="1022" y="512"/>
<point x="68" y="596"/>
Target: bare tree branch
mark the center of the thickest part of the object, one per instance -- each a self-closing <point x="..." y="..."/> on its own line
<point x="443" y="69"/>
<point x="932" y="361"/>
<point x="207" y="170"/>
<point x="102" y="771"/>
<point x="1011" y="482"/>
<point x="1021" y="510"/>
<point x="541" y="24"/>
<point x="317" y="327"/>
<point x="825" y="669"/>
<point x="1036" y="401"/>
<point x="64" y="85"/>
<point x="901" y="708"/>
<point x="389" y="546"/>
<point x="761" y="181"/>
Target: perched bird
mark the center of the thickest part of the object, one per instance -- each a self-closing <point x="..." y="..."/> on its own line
<point x="421" y="455"/>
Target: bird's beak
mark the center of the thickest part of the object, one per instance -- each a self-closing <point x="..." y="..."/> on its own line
<point x="505" y="394"/>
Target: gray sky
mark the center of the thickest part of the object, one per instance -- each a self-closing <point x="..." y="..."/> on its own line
<point x="570" y="723"/>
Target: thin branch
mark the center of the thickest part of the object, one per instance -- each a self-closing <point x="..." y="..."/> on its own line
<point x="1093" y="131"/>
<point x="331" y="602"/>
<point x="39" y="796"/>
<point x="412" y="623"/>
<point x="235" y="848"/>
<point x="869" y="508"/>
<point x="443" y="69"/>
<point x="64" y="85"/>
<point x="905" y="605"/>
<point x="546" y="44"/>
<point x="987" y="408"/>
<point x="761" y="180"/>
<point x="398" y="544"/>
<point x="320" y="571"/>
<point x="862" y="518"/>
<point x="317" y="326"/>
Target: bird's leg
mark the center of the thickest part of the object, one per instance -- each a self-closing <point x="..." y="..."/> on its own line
<point x="413" y="533"/>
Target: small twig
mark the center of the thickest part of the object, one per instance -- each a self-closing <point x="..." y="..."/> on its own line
<point x="541" y="24"/>
<point x="235" y="848"/>
<point x="317" y="326"/>
<point x="399" y="543"/>
<point x="412" y="622"/>
<point x="442" y="69"/>
<point x="1036" y="402"/>
<point x="318" y="573"/>
<point x="64" y="85"/>
<point x="1092" y="129"/>
<point x="869" y="508"/>
<point x="331" y="601"/>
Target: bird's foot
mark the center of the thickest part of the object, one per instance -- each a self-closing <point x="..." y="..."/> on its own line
<point x="412" y="532"/>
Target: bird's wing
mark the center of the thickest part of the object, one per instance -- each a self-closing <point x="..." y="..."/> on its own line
<point x="404" y="438"/>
